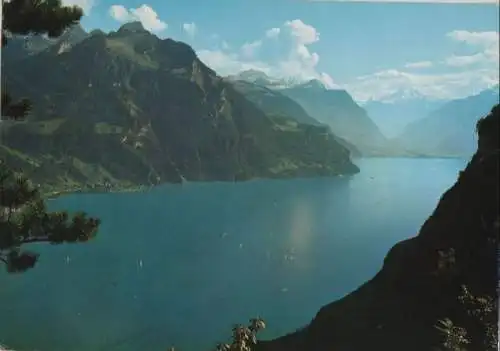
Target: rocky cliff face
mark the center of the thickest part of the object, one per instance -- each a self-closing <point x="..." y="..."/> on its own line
<point x="448" y="273"/>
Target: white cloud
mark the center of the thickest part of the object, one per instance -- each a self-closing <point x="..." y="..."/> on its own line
<point x="466" y="60"/>
<point x="455" y="76"/>
<point x="230" y="63"/>
<point x="419" y="64"/>
<point x="418" y="1"/>
<point x="301" y="63"/>
<point x="190" y="29"/>
<point x="488" y="57"/>
<point x="119" y="13"/>
<point x="484" y="39"/>
<point x="303" y="33"/>
<point x="273" y="32"/>
<point x="145" y="14"/>
<point x="249" y="49"/>
<point x="460" y="75"/>
<point x="486" y="45"/>
<point x="296" y="61"/>
<point x="446" y="86"/>
<point x="85" y="5"/>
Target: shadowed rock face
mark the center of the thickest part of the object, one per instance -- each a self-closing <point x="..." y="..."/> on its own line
<point x="422" y="278"/>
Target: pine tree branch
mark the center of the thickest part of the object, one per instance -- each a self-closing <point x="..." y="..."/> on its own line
<point x="39" y="17"/>
<point x="23" y="215"/>
<point x="14" y="110"/>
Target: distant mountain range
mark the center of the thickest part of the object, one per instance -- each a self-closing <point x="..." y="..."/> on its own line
<point x="450" y="129"/>
<point x="393" y="115"/>
<point x="410" y="123"/>
<point x="260" y="78"/>
<point x="273" y="102"/>
<point x="335" y="108"/>
<point x="129" y="108"/>
<point x="401" y="95"/>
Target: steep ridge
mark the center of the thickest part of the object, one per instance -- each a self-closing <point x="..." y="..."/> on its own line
<point x="448" y="271"/>
<point x="332" y="107"/>
<point x="274" y="103"/>
<point x="337" y="109"/>
<point x="130" y="107"/>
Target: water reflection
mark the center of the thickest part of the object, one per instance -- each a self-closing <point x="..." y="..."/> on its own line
<point x="182" y="251"/>
<point x="166" y="262"/>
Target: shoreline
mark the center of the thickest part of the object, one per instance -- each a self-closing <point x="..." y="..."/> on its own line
<point x="52" y="195"/>
<point x="416" y="157"/>
<point x="56" y="194"/>
<point x="133" y="188"/>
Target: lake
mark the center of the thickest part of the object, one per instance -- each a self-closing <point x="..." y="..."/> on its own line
<point x="180" y="264"/>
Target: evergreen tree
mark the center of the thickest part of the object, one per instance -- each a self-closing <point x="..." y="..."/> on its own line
<point x="24" y="217"/>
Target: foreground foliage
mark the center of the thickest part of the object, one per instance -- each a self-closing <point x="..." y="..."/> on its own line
<point x="24" y="218"/>
<point x="481" y="311"/>
<point x="243" y="337"/>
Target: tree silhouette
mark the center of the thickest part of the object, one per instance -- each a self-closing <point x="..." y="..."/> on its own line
<point x="24" y="217"/>
<point x="243" y="337"/>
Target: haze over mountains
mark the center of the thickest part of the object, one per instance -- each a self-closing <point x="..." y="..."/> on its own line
<point x="274" y="103"/>
<point x="406" y="123"/>
<point x="127" y="107"/>
<point x="334" y="108"/>
<point x="450" y="129"/>
<point x="394" y="113"/>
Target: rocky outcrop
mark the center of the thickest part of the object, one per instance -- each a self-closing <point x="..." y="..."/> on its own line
<point x="447" y="272"/>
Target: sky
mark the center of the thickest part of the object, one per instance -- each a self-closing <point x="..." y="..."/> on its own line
<point x="372" y="49"/>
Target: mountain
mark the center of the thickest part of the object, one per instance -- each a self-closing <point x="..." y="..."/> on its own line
<point x="274" y="103"/>
<point x="129" y="108"/>
<point x="348" y="121"/>
<point x="337" y="109"/>
<point x="400" y="95"/>
<point x="393" y="116"/>
<point x="71" y="37"/>
<point x="262" y="79"/>
<point x="433" y="289"/>
<point x="449" y="130"/>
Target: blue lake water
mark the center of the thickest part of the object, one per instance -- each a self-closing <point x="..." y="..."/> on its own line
<point x="180" y="264"/>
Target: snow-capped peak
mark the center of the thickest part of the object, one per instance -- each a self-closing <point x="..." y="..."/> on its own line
<point x="401" y="95"/>
<point x="261" y="78"/>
